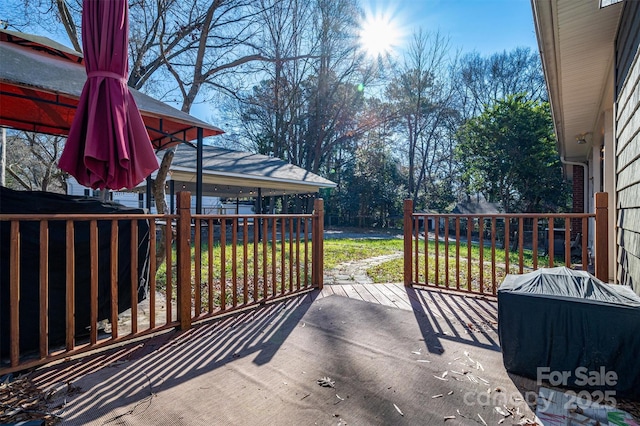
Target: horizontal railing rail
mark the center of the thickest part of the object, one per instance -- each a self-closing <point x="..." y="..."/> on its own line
<point x="74" y="282"/>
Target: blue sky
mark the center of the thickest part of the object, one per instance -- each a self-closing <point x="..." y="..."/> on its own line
<point x="486" y="26"/>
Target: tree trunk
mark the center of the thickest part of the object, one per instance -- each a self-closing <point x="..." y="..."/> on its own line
<point x="161" y="205"/>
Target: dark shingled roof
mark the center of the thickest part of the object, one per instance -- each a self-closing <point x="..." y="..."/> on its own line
<point x="473" y="207"/>
<point x="235" y="173"/>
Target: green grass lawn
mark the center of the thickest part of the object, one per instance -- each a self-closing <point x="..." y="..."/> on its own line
<point x="340" y="250"/>
<point x="245" y="275"/>
<point x="343" y="250"/>
<point x="336" y="251"/>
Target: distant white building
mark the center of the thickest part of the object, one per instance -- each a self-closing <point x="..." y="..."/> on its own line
<point x="227" y="175"/>
<point x="134" y="199"/>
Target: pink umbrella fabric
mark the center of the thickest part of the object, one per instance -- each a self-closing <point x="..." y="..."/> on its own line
<point x="108" y="145"/>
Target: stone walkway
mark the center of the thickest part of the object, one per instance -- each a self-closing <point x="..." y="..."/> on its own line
<point x="355" y="272"/>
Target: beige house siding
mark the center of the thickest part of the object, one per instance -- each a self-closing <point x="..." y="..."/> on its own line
<point x="627" y="125"/>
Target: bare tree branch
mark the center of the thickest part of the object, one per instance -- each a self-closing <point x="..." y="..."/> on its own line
<point x="69" y="25"/>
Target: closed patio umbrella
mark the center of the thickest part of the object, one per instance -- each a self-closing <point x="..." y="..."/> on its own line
<point x="108" y="145"/>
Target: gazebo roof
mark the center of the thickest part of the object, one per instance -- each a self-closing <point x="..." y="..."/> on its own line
<point x="41" y="82"/>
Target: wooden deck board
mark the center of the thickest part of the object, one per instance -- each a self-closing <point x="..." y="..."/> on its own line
<point x="401" y="295"/>
<point x="447" y="307"/>
<point x="350" y="292"/>
<point x="326" y="291"/>
<point x="338" y="290"/>
<point x="393" y="298"/>
<point x="365" y="294"/>
<point x="382" y="297"/>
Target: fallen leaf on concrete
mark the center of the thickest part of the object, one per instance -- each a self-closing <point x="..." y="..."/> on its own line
<point x="21" y="401"/>
<point x="469" y="357"/>
<point x="526" y="421"/>
<point x="511" y="410"/>
<point x="483" y="422"/>
<point x="326" y="382"/>
<point x="502" y="412"/>
<point x="398" y="409"/>
<point x="485" y="381"/>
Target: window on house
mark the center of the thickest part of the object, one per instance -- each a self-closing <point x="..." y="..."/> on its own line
<point x="605" y="3"/>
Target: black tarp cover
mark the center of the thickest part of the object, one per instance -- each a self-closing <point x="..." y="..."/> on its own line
<point x="567" y="321"/>
<point x="27" y="202"/>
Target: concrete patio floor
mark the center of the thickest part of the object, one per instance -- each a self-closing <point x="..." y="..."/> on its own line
<point x="432" y="356"/>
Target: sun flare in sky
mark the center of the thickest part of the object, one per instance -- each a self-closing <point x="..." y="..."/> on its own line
<point x="380" y="33"/>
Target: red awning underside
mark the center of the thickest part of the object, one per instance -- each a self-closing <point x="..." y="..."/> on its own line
<point x="35" y="111"/>
<point x="38" y="111"/>
<point x="41" y="82"/>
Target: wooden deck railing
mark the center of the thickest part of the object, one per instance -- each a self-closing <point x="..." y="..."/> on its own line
<point x="216" y="264"/>
<point x="473" y="253"/>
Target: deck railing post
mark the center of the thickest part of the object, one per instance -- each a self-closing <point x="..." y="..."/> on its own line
<point x="183" y="259"/>
<point x="408" y="235"/>
<point x="317" y="244"/>
<point x="602" y="236"/>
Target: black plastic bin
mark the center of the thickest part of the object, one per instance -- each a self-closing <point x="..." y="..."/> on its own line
<point x="570" y="329"/>
<point x="24" y="202"/>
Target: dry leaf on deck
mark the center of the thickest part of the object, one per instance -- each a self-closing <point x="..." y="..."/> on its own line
<point x="326" y="382"/>
<point x="398" y="409"/>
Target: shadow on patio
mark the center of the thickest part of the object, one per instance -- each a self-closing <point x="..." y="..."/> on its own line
<point x="388" y="365"/>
